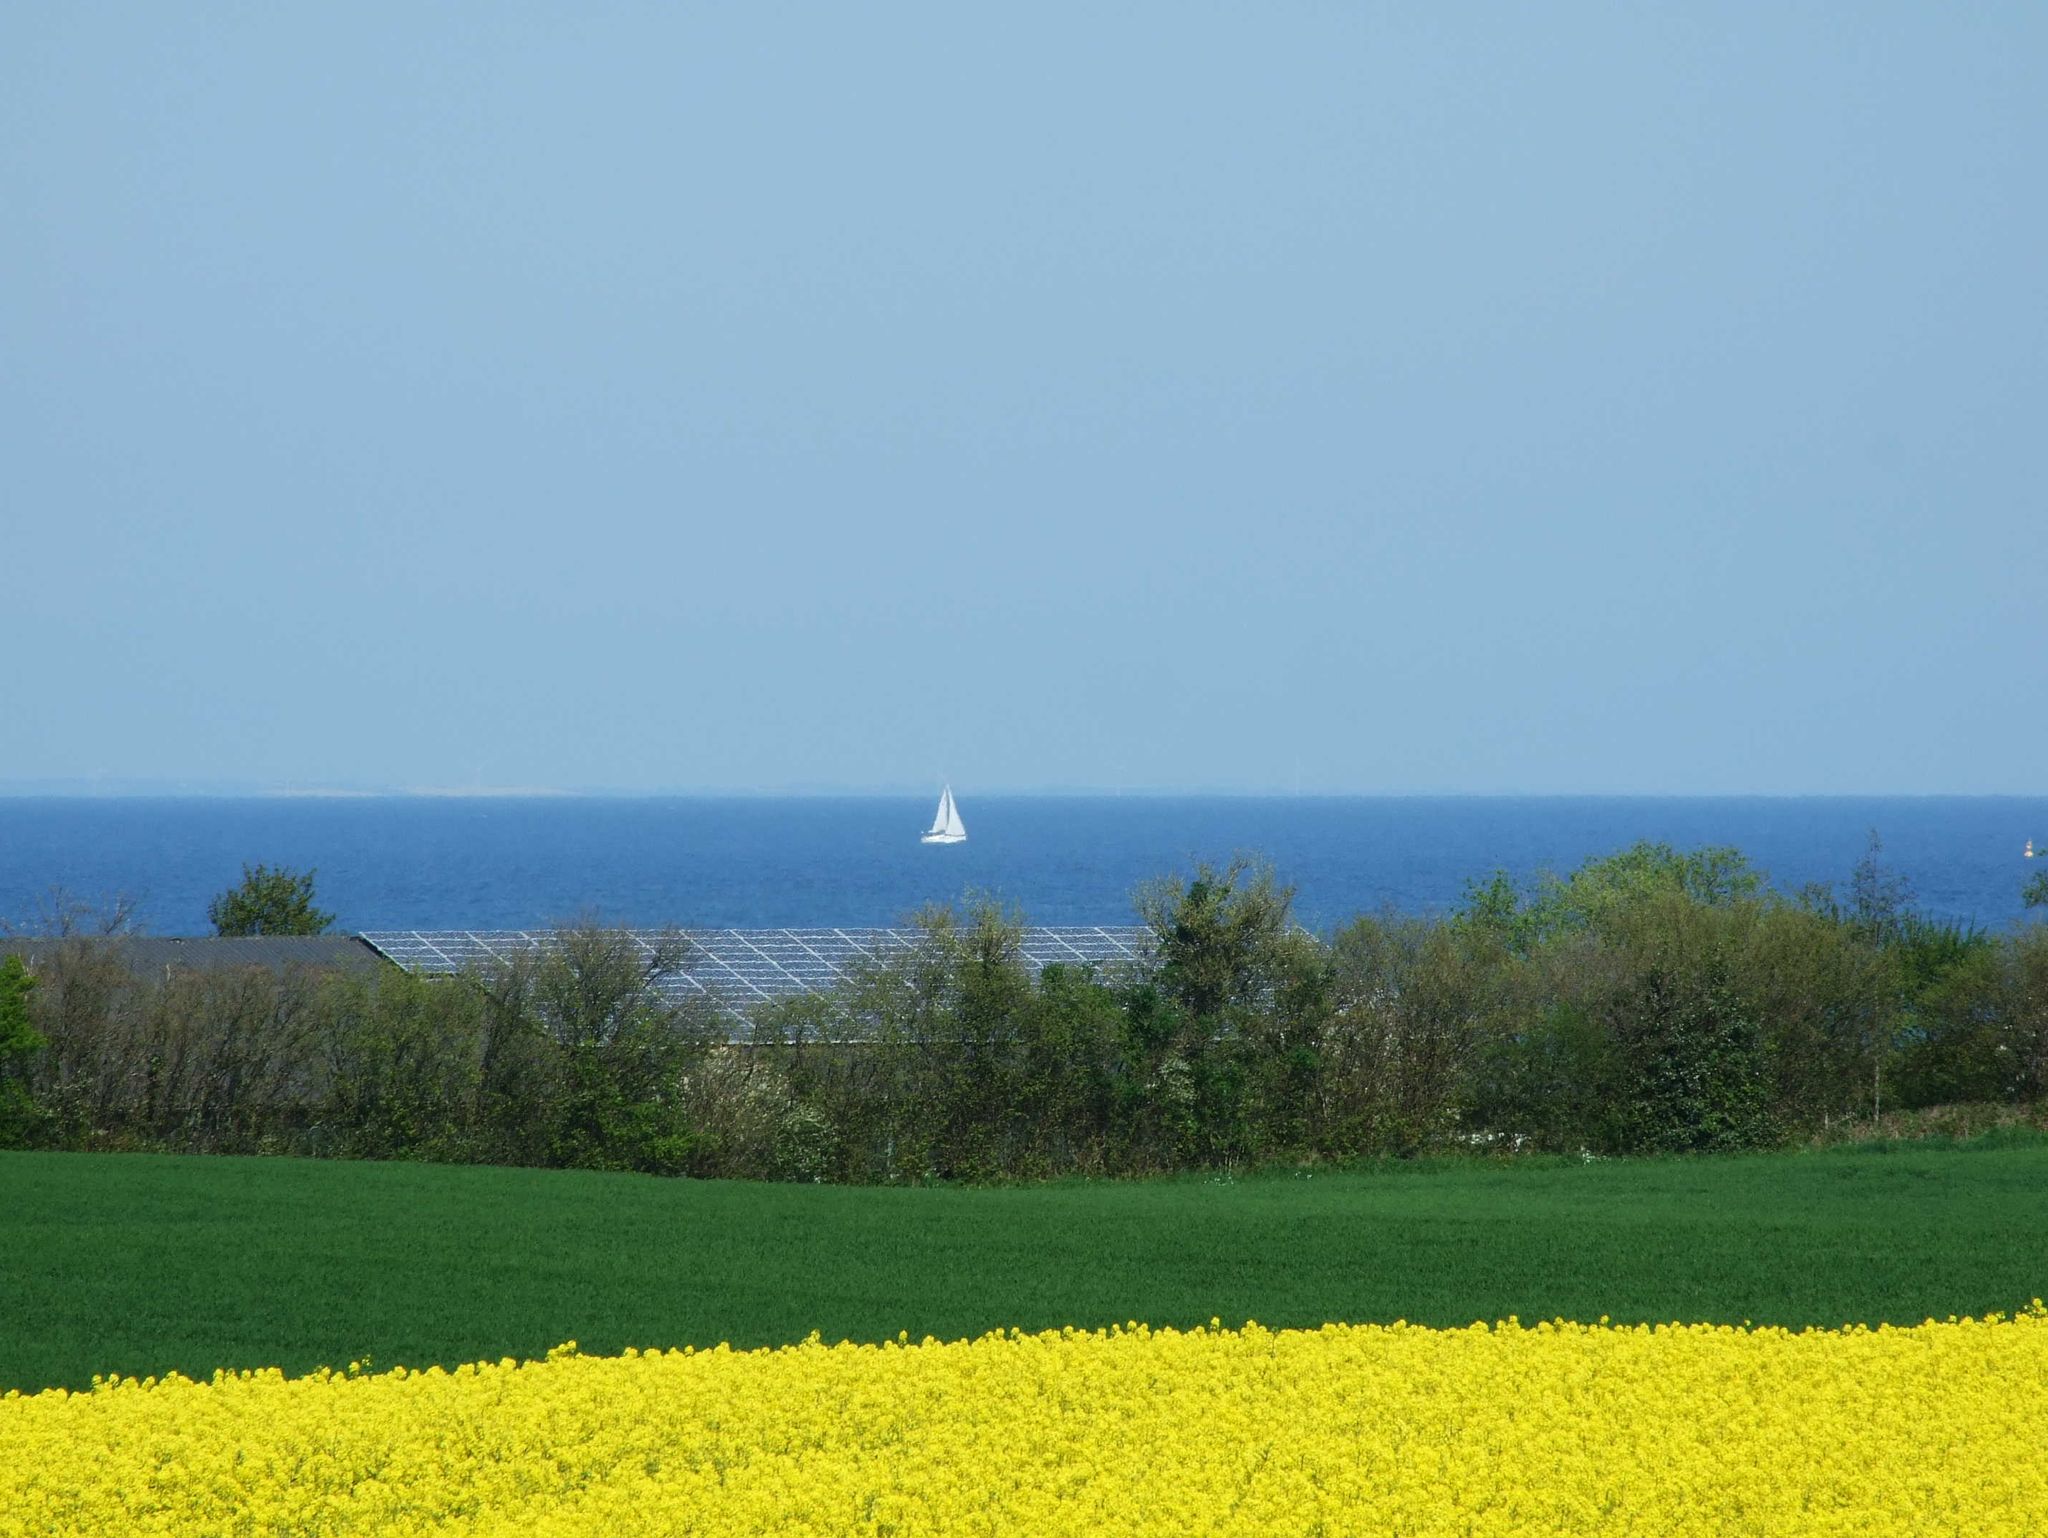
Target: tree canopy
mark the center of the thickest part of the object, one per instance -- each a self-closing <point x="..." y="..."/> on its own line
<point x="268" y="902"/>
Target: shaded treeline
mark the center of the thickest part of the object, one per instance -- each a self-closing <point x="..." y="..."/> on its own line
<point x="570" y="1059"/>
<point x="1651" y="1002"/>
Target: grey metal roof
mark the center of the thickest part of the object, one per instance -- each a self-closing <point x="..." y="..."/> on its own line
<point x="153" y="955"/>
<point x="742" y="968"/>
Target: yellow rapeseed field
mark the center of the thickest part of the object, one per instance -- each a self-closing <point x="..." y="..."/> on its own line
<point x="1508" y="1430"/>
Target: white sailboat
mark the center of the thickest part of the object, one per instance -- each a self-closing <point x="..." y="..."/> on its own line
<point x="946" y="828"/>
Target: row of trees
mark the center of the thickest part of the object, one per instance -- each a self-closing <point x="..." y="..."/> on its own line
<point x="1651" y="1002"/>
<point x="268" y="900"/>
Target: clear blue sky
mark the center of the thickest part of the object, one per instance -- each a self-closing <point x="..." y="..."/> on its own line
<point x="1436" y="398"/>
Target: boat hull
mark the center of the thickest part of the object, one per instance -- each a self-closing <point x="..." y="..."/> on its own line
<point x="943" y="838"/>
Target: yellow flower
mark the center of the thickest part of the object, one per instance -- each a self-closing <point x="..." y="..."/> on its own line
<point x="1526" y="1430"/>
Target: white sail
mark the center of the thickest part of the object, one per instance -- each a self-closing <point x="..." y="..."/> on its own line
<point x="946" y="828"/>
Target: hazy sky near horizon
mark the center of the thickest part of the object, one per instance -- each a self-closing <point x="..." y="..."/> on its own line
<point x="1439" y="398"/>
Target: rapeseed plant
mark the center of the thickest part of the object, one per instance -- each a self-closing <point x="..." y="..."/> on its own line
<point x="1509" y="1429"/>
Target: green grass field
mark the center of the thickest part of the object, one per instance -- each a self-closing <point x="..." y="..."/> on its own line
<point x="139" y="1264"/>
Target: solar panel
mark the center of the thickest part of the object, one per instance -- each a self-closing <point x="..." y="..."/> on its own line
<point x="744" y="968"/>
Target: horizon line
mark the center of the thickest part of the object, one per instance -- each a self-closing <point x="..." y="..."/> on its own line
<point x="73" y="790"/>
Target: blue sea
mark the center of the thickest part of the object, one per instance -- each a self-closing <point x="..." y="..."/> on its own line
<point x="475" y="863"/>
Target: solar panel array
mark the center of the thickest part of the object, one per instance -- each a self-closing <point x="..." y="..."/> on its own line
<point x="743" y="968"/>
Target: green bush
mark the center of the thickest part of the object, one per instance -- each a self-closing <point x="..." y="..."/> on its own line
<point x="1228" y="1032"/>
<point x="1690" y="1069"/>
<point x="1666" y="1001"/>
<point x="1417" y="1008"/>
<point x="1547" y="1084"/>
<point x="587" y="1061"/>
<point x="268" y="902"/>
<point x="1830" y="1006"/>
<point x="1981" y="1032"/>
<point x="1606" y="891"/>
<point x="21" y="1120"/>
<point x="401" y="1055"/>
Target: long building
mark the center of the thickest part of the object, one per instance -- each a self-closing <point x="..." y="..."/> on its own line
<point x="743" y="968"/>
<point x="159" y="956"/>
<point x="740" y="969"/>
